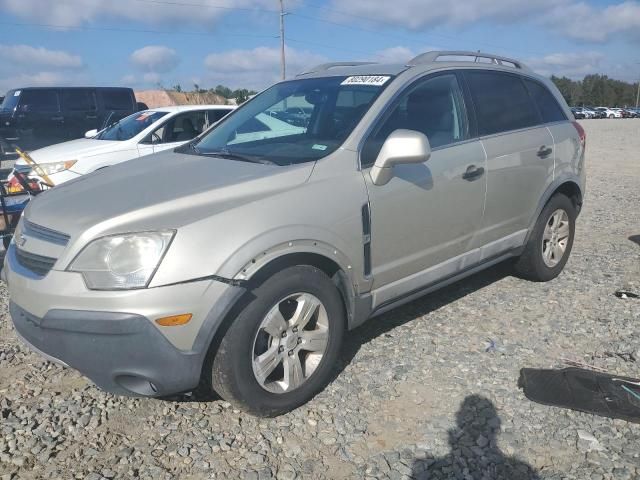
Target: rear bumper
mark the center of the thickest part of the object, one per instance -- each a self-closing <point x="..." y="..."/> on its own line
<point x="120" y="353"/>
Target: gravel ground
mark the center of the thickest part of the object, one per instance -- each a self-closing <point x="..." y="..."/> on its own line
<point x="423" y="385"/>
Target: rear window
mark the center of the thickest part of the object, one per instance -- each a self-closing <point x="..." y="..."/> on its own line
<point x="502" y="102"/>
<point x="78" y="100"/>
<point x="39" y="101"/>
<point x="117" y="100"/>
<point x="547" y="104"/>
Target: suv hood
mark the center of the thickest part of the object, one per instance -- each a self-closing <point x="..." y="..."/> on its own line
<point x="160" y="191"/>
<point x="73" y="149"/>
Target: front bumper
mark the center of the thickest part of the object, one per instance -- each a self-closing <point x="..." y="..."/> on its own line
<point x="111" y="337"/>
<point x="121" y="353"/>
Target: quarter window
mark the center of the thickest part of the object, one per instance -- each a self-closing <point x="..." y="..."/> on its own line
<point x="78" y="100"/>
<point x="502" y="102"/>
<point x="117" y="100"/>
<point x="433" y="106"/>
<point x="547" y="104"/>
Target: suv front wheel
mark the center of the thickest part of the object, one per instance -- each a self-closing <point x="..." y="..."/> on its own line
<point x="283" y="346"/>
<point x="549" y="245"/>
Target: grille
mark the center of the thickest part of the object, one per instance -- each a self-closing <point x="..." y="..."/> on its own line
<point x="37" y="264"/>
<point x="43" y="233"/>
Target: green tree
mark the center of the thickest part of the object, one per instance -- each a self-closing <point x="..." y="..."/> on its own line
<point x="223" y="91"/>
<point x="177" y="87"/>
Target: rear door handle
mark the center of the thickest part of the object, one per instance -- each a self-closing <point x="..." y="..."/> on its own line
<point x="472" y="173"/>
<point x="57" y="119"/>
<point x="544" y="151"/>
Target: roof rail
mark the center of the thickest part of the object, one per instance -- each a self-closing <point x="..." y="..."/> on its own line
<point x="429" y="57"/>
<point x="326" y="66"/>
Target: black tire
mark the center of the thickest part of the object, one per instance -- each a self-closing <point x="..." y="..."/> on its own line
<point x="531" y="265"/>
<point x="231" y="371"/>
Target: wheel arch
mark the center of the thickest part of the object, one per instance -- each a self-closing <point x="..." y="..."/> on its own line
<point x="329" y="265"/>
<point x="567" y="186"/>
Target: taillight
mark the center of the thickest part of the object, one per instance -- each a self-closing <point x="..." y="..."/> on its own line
<point x="581" y="133"/>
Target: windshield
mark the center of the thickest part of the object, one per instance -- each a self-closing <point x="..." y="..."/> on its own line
<point x="10" y="100"/>
<point x="293" y="122"/>
<point x="130" y="126"/>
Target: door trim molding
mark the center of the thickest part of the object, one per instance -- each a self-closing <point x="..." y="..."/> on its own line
<point x="416" y="283"/>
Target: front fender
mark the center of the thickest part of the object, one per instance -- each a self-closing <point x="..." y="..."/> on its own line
<point x="253" y="255"/>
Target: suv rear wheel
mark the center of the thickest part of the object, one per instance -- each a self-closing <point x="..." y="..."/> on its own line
<point x="283" y="346"/>
<point x="549" y="245"/>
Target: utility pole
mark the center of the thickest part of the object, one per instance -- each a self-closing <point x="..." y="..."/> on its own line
<point x="638" y="94"/>
<point x="283" y="67"/>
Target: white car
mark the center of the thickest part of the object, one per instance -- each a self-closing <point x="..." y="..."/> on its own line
<point x="610" y="112"/>
<point x="142" y="133"/>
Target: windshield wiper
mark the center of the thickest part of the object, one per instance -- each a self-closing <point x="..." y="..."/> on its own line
<point x="236" y="156"/>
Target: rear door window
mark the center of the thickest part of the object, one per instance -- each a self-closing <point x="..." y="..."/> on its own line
<point x="501" y="101"/>
<point x="546" y="102"/>
<point x="39" y="101"/>
<point x="78" y="100"/>
<point x="116" y="100"/>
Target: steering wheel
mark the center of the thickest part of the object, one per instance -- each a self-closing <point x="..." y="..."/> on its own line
<point x="155" y="138"/>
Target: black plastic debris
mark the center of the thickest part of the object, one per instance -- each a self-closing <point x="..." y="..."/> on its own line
<point x="584" y="390"/>
<point x="626" y="294"/>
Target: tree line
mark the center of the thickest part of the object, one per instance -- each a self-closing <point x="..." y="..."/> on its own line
<point x="597" y="90"/>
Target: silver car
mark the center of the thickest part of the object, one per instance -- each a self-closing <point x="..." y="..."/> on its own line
<point x="240" y="261"/>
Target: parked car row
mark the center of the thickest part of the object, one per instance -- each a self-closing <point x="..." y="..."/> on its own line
<point x="136" y="135"/>
<point x="605" y="112"/>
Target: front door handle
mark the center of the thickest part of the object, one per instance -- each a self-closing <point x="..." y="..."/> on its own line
<point x="57" y="119"/>
<point x="544" y="151"/>
<point x="473" y="173"/>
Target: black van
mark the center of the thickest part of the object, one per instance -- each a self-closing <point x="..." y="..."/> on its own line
<point x="35" y="117"/>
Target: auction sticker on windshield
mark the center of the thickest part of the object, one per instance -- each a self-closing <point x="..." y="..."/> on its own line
<point x="376" y="80"/>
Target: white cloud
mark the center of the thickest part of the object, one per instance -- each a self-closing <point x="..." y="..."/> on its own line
<point x="417" y="14"/>
<point x="585" y="22"/>
<point x="256" y="68"/>
<point x="400" y="54"/>
<point x="43" y="79"/>
<point x="571" y="18"/>
<point x="78" y="12"/>
<point x="37" y="57"/>
<point x="155" y="59"/>
<point x="38" y="66"/>
<point x="572" y="65"/>
<point x="397" y="54"/>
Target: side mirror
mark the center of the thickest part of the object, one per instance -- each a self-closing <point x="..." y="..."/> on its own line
<point x="401" y="147"/>
<point x="91" y="133"/>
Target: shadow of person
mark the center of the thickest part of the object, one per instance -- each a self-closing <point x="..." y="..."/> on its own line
<point x="474" y="451"/>
<point x="635" y="239"/>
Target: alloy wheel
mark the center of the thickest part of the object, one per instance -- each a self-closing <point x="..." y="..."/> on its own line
<point x="555" y="238"/>
<point x="290" y="343"/>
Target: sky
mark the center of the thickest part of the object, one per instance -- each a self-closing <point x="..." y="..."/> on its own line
<point x="146" y="43"/>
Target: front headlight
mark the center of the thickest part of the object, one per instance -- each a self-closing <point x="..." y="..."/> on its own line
<point x="122" y="262"/>
<point x="55" y="167"/>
